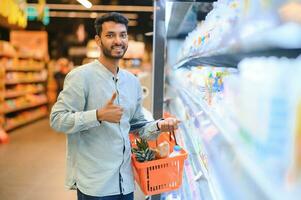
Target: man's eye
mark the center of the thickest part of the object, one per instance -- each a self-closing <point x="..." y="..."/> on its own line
<point x="123" y="35"/>
<point x="109" y="35"/>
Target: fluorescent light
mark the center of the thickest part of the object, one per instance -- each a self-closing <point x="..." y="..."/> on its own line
<point x="85" y="3"/>
<point x="86" y="14"/>
<point x="106" y="8"/>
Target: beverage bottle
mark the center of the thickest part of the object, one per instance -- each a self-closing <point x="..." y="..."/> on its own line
<point x="176" y="151"/>
<point x="173" y="195"/>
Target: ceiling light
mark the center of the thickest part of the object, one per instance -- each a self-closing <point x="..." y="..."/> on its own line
<point x="85" y="3"/>
<point x="149" y="34"/>
<point x="106" y="8"/>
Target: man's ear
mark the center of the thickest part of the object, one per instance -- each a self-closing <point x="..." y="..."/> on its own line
<point x="97" y="39"/>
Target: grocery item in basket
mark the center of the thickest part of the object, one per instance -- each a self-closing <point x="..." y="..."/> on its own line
<point x="143" y="153"/>
<point x="176" y="151"/>
<point x="162" y="151"/>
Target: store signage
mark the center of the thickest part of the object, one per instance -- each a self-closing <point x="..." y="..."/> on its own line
<point x="34" y="13"/>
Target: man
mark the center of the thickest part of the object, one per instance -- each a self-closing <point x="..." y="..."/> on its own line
<point x="98" y="107"/>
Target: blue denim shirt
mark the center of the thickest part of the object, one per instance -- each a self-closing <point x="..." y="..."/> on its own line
<point x="98" y="154"/>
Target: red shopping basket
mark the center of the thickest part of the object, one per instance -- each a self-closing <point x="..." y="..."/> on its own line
<point x="162" y="175"/>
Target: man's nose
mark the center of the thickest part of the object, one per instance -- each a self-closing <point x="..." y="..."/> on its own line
<point x="117" y="40"/>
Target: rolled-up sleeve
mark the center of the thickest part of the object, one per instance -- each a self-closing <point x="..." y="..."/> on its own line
<point x="67" y="114"/>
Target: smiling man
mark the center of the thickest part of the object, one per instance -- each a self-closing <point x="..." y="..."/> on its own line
<point x="98" y="107"/>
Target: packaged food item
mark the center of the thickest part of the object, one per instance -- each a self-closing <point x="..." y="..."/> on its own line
<point x="162" y="150"/>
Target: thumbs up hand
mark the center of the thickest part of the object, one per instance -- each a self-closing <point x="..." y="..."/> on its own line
<point x="111" y="101"/>
<point x="110" y="112"/>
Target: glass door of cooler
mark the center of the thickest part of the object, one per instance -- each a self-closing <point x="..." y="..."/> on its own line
<point x="232" y="71"/>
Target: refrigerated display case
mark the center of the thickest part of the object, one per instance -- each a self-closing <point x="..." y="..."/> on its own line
<point x="233" y="82"/>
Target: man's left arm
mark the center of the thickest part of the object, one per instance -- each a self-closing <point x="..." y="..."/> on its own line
<point x="150" y="129"/>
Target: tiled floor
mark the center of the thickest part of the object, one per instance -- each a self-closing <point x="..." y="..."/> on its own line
<point x="32" y="165"/>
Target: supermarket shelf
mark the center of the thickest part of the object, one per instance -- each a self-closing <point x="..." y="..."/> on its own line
<point x="25" y="107"/>
<point x="230" y="137"/>
<point x="28" y="120"/>
<point x="232" y="60"/>
<point x="212" y="182"/>
<point x="18" y="69"/>
<point x="191" y="147"/>
<point x="31" y="57"/>
<point x="3" y="54"/>
<point x="206" y="187"/>
<point x="185" y="188"/>
<point x="204" y="183"/>
<point x="24" y="81"/>
<point x="15" y="94"/>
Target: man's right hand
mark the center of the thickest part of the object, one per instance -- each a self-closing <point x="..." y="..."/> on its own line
<point x="110" y="112"/>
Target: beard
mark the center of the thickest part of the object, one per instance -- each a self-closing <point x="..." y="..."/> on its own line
<point x="108" y="52"/>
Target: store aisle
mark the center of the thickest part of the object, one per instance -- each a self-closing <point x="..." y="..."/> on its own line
<point x="32" y="165"/>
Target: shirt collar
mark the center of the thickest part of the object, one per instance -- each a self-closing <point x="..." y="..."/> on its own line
<point x="105" y="71"/>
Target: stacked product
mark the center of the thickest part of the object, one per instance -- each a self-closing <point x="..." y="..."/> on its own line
<point x="23" y="90"/>
<point x="241" y="25"/>
<point x="271" y="122"/>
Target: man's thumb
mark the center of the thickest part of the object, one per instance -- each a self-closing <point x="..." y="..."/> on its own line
<point x="113" y="98"/>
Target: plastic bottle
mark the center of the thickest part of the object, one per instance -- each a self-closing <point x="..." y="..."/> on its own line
<point x="173" y="195"/>
<point x="176" y="151"/>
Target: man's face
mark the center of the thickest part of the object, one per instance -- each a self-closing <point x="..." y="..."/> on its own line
<point x="113" y="40"/>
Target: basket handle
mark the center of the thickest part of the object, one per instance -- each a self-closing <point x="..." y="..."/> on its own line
<point x="171" y="132"/>
<point x="174" y="136"/>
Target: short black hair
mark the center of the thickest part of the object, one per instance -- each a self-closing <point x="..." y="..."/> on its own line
<point x="112" y="16"/>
